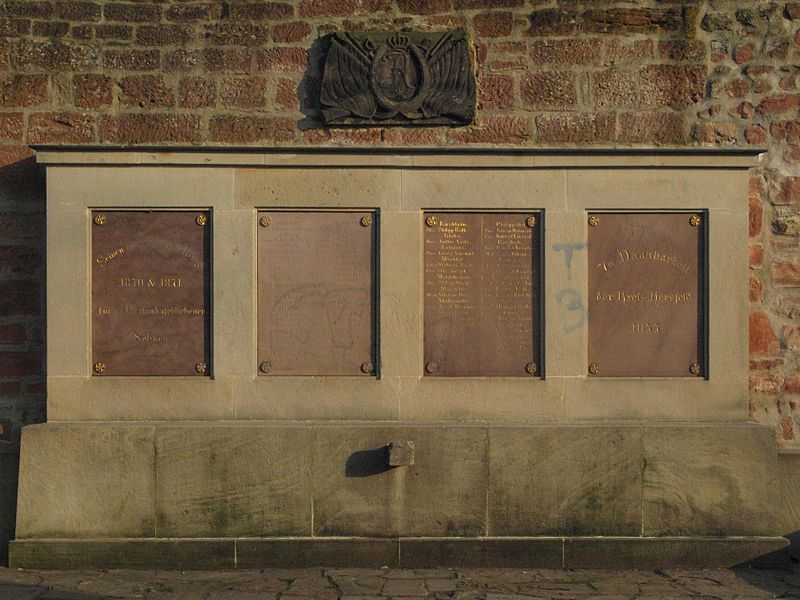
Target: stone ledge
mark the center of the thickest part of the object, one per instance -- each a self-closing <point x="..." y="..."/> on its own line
<point x="533" y="552"/>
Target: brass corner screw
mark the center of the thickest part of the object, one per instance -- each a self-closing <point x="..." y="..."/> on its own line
<point x="594" y="220"/>
<point x="431" y="221"/>
<point x="265" y="367"/>
<point x="432" y="367"/>
<point x="694" y="369"/>
<point x="265" y="221"/>
<point x="100" y="219"/>
<point x="530" y="368"/>
<point x="594" y="369"/>
<point x="366" y="367"/>
<point x="366" y="221"/>
<point x="200" y="368"/>
<point x="201" y="220"/>
<point x="99" y="367"/>
<point x="530" y="221"/>
<point x="694" y="220"/>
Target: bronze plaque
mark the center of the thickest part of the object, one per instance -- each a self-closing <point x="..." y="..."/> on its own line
<point x="316" y="293"/>
<point x="646" y="294"/>
<point x="150" y="293"/>
<point x="482" y="281"/>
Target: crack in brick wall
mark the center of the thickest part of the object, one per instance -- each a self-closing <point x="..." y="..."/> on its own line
<point x="711" y="73"/>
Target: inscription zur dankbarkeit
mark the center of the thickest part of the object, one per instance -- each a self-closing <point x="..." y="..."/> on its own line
<point x="150" y="293"/>
<point x="481" y="294"/>
<point x="645" y="283"/>
<point x="316" y="293"/>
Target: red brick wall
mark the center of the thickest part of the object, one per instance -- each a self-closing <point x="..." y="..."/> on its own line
<point x="652" y="72"/>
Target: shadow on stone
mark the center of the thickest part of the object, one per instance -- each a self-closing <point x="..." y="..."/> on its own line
<point x="308" y="90"/>
<point x="364" y="463"/>
<point x="9" y="467"/>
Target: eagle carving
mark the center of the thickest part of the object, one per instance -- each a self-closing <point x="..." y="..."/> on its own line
<point x="398" y="78"/>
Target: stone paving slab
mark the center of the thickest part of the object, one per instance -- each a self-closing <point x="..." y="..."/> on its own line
<point x="400" y="584"/>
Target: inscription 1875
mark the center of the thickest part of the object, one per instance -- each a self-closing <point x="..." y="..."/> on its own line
<point x="646" y="315"/>
<point x="150" y="293"/>
<point x="481" y="294"/>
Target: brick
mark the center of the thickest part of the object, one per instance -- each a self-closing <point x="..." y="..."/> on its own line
<point x="342" y="8"/>
<point x="9" y="388"/>
<point x="196" y="92"/>
<point x="131" y="60"/>
<point x="50" y="28"/>
<point x="756" y="209"/>
<point x="342" y="137"/>
<point x="286" y="33"/>
<point x="785" y="273"/>
<point x="762" y="338"/>
<point x="743" y="53"/>
<point x="141" y="12"/>
<point x="571" y="52"/>
<point x="32" y="9"/>
<point x="792" y="10"/>
<point x="766" y="384"/>
<point x="238" y="34"/>
<point x="552" y="22"/>
<point x="260" y="11"/>
<point x="415" y="136"/>
<point x="5" y="62"/>
<point x="713" y="22"/>
<point x="20" y="364"/>
<point x="61" y="128"/>
<point x="632" y="20"/>
<point x="194" y="11"/>
<point x="779" y="103"/>
<point x="116" y="31"/>
<point x="424" y="7"/>
<point x="230" y="60"/>
<point x="576" y="128"/>
<point x="549" y="89"/>
<point x="738" y="88"/>
<point x="53" y="55"/>
<point x="788" y="131"/>
<point x="23" y="90"/>
<point x="496" y="91"/>
<point x="682" y="50"/>
<point x="14" y="27"/>
<point x="11" y="126"/>
<point x="19" y="300"/>
<point x="282" y="59"/>
<point x="478" y="4"/>
<point x="652" y="128"/>
<point x="163" y="35"/>
<point x="756" y="256"/>
<point x="20" y="226"/>
<point x="75" y="10"/>
<point x="12" y="334"/>
<point x="715" y="133"/>
<point x="82" y="32"/>
<point x="615" y="88"/>
<point x="792" y="384"/>
<point x="497" y="129"/>
<point x="145" y="91"/>
<point x="150" y="128"/>
<point x="19" y="260"/>
<point x="244" y="92"/>
<point x="671" y="85"/>
<point x="249" y="130"/>
<point x="618" y="50"/>
<point x="181" y="60"/>
<point x="493" y="24"/>
<point x="286" y="94"/>
<point x="756" y="289"/>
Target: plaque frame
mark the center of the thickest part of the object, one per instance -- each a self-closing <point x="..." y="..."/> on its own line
<point x="703" y="290"/>
<point x="537" y="284"/>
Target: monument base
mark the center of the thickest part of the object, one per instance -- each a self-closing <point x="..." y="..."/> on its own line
<point x="251" y="494"/>
<point x="532" y="552"/>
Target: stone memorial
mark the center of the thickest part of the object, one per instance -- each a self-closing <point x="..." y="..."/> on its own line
<point x="150" y="293"/>
<point x="646" y="295"/>
<point x="481" y="294"/>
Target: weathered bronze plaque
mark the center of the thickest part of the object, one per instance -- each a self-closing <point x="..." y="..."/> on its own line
<point x="646" y="295"/>
<point x="316" y="293"/>
<point x="482" y="282"/>
<point x="150" y="293"/>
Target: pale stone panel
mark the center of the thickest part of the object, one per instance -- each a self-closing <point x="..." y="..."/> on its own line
<point x="227" y="481"/>
<point x="319" y="188"/>
<point x="789" y="470"/>
<point x="565" y="480"/>
<point x="86" y="481"/>
<point x="710" y="480"/>
<point x="443" y="493"/>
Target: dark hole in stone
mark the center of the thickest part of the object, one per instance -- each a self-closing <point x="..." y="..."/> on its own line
<point x="364" y="463"/>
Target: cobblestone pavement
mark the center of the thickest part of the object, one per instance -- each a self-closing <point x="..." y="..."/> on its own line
<point x="369" y="584"/>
